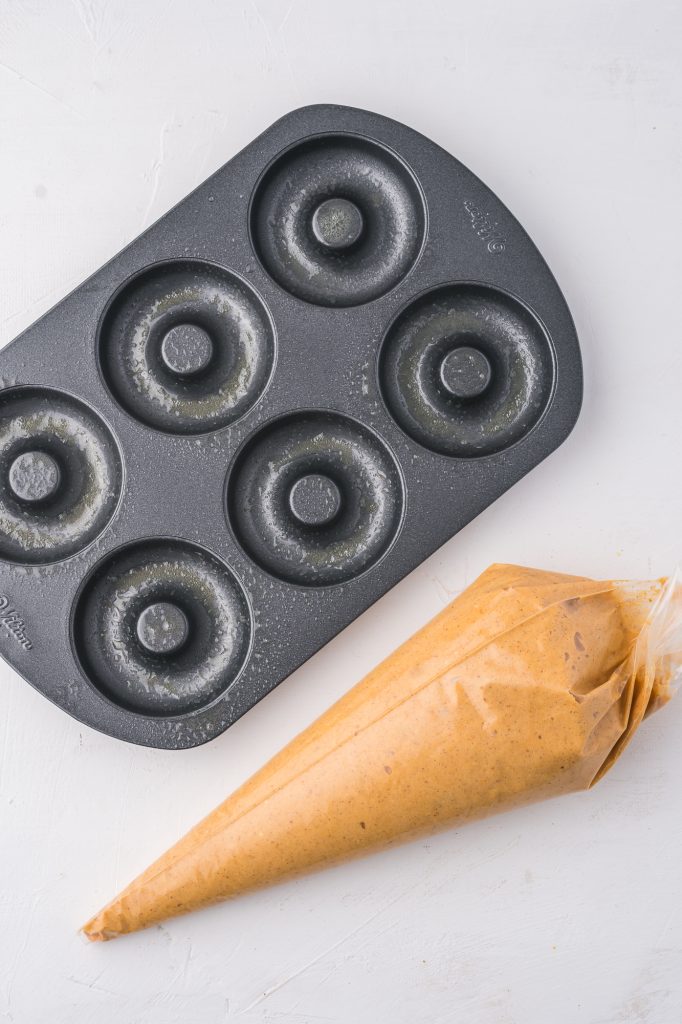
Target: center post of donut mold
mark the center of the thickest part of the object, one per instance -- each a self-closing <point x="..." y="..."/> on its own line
<point x="465" y="372"/>
<point x="186" y="350"/>
<point x="34" y="476"/>
<point x="337" y="223"/>
<point x="315" y="500"/>
<point x="162" y="628"/>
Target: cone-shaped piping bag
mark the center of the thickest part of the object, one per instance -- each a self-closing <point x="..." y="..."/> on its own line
<point x="528" y="685"/>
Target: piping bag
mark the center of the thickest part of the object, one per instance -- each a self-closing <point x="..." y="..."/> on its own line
<point x="528" y="685"/>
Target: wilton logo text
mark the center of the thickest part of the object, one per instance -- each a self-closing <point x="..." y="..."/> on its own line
<point x="14" y="625"/>
<point x="486" y="228"/>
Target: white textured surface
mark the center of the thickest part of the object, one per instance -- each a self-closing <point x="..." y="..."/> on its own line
<point x="563" y="913"/>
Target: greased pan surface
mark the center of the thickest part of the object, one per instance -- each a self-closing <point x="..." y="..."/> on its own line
<point x="252" y="422"/>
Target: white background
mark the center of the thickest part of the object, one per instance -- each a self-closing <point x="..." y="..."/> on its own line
<point x="564" y="913"/>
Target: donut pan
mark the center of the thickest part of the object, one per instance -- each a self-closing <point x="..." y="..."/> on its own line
<point x="240" y="432"/>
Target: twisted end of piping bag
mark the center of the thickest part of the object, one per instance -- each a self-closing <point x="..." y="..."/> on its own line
<point x="655" y="668"/>
<point x="528" y="685"/>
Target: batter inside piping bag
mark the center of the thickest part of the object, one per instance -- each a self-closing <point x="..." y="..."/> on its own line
<point x="528" y="685"/>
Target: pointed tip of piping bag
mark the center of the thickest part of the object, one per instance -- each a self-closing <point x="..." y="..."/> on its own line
<point x="135" y="908"/>
<point x="92" y="932"/>
<point x="87" y="936"/>
<point x="107" y="924"/>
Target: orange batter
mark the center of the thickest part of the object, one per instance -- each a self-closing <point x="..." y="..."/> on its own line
<point x="528" y="685"/>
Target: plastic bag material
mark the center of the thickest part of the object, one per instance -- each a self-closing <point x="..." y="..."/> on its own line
<point x="528" y="685"/>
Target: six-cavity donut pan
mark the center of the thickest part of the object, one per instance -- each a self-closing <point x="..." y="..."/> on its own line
<point x="263" y="413"/>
